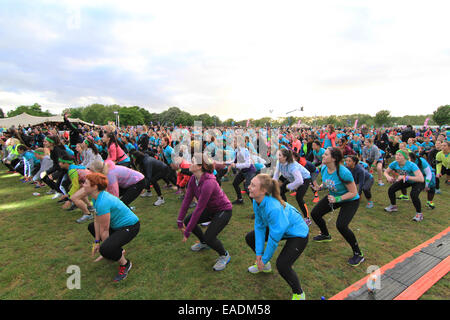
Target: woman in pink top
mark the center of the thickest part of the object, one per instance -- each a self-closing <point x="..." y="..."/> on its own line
<point x="115" y="152"/>
<point x="124" y="183"/>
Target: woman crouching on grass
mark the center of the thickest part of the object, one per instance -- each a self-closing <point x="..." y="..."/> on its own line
<point x="213" y="205"/>
<point x="114" y="224"/>
<point x="276" y="220"/>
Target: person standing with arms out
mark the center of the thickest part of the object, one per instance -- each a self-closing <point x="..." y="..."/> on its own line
<point x="276" y="220"/>
<point x="342" y="194"/>
<point x="114" y="224"/>
<point x="213" y="205"/>
<point x="409" y="176"/>
<point x="296" y="178"/>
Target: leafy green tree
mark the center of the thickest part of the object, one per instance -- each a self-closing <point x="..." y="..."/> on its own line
<point x="34" y="110"/>
<point x="2" y="115"/>
<point x="442" y="115"/>
<point x="382" y="117"/>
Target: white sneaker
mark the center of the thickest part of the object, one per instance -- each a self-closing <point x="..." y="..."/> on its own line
<point x="199" y="246"/>
<point x="391" y="208"/>
<point x="159" y="202"/>
<point x="254" y="268"/>
<point x="418" y="217"/>
<point x="56" y="196"/>
<point x="146" y="194"/>
<point x="85" y="217"/>
<point x="222" y="262"/>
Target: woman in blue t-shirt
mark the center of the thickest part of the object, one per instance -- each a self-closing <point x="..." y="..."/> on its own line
<point x="114" y="223"/>
<point x="342" y="194"/>
<point x="409" y="175"/>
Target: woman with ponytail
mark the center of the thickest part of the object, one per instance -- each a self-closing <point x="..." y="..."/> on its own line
<point x="276" y="220"/>
<point x="342" y="194"/>
<point x="213" y="205"/>
<point x="294" y="177"/>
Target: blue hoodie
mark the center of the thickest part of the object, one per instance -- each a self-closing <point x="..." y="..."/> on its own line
<point x="283" y="222"/>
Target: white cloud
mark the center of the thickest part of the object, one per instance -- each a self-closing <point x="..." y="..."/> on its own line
<point x="240" y="58"/>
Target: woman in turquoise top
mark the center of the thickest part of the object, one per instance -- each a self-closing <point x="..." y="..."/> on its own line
<point x="114" y="224"/>
<point x="276" y="220"/>
<point x="409" y="175"/>
<point x="342" y="194"/>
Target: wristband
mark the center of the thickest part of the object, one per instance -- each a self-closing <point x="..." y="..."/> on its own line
<point x="98" y="241"/>
<point x="338" y="199"/>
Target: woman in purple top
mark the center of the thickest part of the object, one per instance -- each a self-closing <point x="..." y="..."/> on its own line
<point x="124" y="183"/>
<point x="213" y="205"/>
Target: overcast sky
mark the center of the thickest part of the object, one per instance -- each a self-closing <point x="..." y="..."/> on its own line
<point x="236" y="59"/>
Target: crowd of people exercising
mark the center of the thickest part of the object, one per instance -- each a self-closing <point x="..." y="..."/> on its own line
<point x="102" y="170"/>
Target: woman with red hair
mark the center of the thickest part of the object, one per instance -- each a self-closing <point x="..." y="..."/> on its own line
<point x="114" y="223"/>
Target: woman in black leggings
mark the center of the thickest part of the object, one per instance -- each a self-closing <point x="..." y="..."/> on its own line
<point x="276" y="220"/>
<point x="342" y="194"/>
<point x="213" y="205"/>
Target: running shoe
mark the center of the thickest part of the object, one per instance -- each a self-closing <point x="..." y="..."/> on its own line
<point x="369" y="205"/>
<point x="222" y="262"/>
<point x="418" y="217"/>
<point x="356" y="260"/>
<point x="123" y="271"/>
<point x="254" y="268"/>
<point x="85" y="217"/>
<point x="146" y="194"/>
<point x="178" y="192"/>
<point x="403" y="197"/>
<point x="308" y="221"/>
<point x="391" y="208"/>
<point x="299" y="296"/>
<point x="380" y="184"/>
<point x="238" y="201"/>
<point x="438" y="191"/>
<point x="322" y="238"/>
<point x="159" y="202"/>
<point x="56" y="196"/>
<point x="198" y="246"/>
<point x="430" y="205"/>
<point x="204" y="224"/>
<point x="91" y="209"/>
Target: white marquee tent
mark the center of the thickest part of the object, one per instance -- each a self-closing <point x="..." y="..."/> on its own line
<point x="25" y="119"/>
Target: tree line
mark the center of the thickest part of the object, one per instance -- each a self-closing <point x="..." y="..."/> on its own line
<point x="135" y="115"/>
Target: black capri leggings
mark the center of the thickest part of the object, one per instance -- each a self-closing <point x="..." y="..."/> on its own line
<point x="218" y="222"/>
<point x="300" y="193"/>
<point x="167" y="175"/>
<point x="346" y="214"/>
<point x="292" y="250"/>
<point x="129" y="194"/>
<point x="111" y="248"/>
<point x="416" y="188"/>
<point x="246" y="176"/>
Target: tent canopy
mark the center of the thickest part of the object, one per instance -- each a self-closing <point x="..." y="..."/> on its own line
<point x="25" y="119"/>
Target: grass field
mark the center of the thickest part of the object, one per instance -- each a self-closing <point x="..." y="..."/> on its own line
<point x="39" y="241"/>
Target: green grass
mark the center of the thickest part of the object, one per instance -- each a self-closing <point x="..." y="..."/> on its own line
<point x="39" y="241"/>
